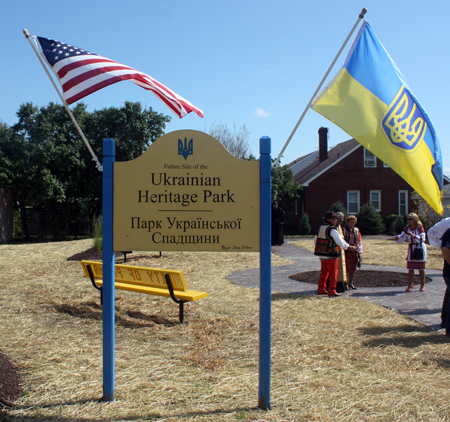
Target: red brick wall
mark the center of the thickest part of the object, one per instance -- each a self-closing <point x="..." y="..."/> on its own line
<point x="350" y="174"/>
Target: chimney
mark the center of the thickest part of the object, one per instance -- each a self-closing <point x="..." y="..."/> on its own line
<point x="323" y="143"/>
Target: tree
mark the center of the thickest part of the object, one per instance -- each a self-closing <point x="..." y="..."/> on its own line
<point x="236" y="141"/>
<point x="428" y="216"/>
<point x="400" y="224"/>
<point x="284" y="189"/>
<point x="338" y="207"/>
<point x="304" y="227"/>
<point x="370" y="220"/>
<point x="48" y="166"/>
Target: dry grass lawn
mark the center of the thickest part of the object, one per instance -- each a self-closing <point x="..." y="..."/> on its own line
<point x="378" y="250"/>
<point x="332" y="360"/>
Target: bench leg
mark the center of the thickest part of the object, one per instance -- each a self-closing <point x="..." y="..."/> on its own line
<point x="172" y="295"/>
<point x="91" y="276"/>
<point x="181" y="311"/>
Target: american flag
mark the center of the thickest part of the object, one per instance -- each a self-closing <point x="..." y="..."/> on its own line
<point x="81" y="73"/>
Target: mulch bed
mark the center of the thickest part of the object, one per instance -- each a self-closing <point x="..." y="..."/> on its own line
<point x="10" y="389"/>
<point x="365" y="278"/>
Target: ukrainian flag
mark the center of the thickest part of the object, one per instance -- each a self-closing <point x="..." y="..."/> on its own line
<point x="371" y="101"/>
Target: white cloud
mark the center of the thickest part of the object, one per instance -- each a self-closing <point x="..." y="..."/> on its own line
<point x="259" y="112"/>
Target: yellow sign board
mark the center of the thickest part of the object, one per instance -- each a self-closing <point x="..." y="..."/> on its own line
<point x="187" y="192"/>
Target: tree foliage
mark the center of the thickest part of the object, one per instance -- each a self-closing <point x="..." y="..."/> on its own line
<point x="370" y="220"/>
<point x="400" y="224"/>
<point x="304" y="228"/>
<point x="284" y="189"/>
<point x="48" y="166"/>
<point x="428" y="216"/>
<point x="338" y="207"/>
<point x="236" y="141"/>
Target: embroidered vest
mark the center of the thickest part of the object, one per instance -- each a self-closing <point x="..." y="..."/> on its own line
<point x="347" y="234"/>
<point x="325" y="245"/>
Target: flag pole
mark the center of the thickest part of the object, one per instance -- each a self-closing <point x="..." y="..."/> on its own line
<point x="361" y="16"/>
<point x="94" y="157"/>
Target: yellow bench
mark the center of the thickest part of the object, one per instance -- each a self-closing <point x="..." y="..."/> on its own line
<point x="151" y="281"/>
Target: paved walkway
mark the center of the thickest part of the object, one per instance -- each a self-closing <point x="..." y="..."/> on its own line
<point x="424" y="307"/>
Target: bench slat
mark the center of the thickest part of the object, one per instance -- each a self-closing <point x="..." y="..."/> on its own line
<point x="189" y="295"/>
<point x="148" y="277"/>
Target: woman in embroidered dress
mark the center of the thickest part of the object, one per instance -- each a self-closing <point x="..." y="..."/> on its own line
<point x="352" y="236"/>
<point x="415" y="234"/>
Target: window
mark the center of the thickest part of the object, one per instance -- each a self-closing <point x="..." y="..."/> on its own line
<point x="375" y="199"/>
<point x="352" y="201"/>
<point x="385" y="165"/>
<point x="402" y="202"/>
<point x="369" y="159"/>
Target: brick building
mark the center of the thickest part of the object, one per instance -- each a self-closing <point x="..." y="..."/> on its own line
<point x="351" y="174"/>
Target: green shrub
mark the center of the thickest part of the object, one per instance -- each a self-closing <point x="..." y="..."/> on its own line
<point x="339" y="207"/>
<point x="370" y="220"/>
<point x="17" y="225"/>
<point x="389" y="222"/>
<point x="304" y="227"/>
<point x="400" y="224"/>
<point x="97" y="232"/>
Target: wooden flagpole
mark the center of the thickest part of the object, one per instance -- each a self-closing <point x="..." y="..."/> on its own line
<point x="361" y="15"/>
<point x="94" y="157"/>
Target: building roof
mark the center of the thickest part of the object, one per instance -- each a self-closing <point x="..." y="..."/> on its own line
<point x="300" y="163"/>
<point x="308" y="167"/>
<point x="307" y="174"/>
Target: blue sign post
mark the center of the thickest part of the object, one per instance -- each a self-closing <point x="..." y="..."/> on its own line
<point x="109" y="154"/>
<point x="265" y="274"/>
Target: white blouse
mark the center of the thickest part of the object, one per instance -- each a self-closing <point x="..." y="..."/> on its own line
<point x="414" y="241"/>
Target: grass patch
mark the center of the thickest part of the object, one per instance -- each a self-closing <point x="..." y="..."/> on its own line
<point x="386" y="252"/>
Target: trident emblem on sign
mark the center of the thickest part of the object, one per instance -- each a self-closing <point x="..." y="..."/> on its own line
<point x="186" y="149"/>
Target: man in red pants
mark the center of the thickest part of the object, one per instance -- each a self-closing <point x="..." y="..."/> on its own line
<point x="328" y="243"/>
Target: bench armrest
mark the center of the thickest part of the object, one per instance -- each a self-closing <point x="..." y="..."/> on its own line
<point x="169" y="286"/>
<point x="91" y="276"/>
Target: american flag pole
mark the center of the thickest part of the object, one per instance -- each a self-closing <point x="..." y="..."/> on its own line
<point x="94" y="157"/>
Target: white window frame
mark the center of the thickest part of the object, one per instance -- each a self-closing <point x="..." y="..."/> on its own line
<point x="376" y="192"/>
<point x="369" y="163"/>
<point x="349" y="192"/>
<point x="385" y="165"/>
<point x="400" y="205"/>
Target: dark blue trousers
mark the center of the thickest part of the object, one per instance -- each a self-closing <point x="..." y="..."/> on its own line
<point x="445" y="314"/>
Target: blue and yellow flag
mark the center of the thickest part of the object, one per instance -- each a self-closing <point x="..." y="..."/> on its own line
<point x="372" y="102"/>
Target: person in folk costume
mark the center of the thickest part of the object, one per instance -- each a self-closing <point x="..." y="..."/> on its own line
<point x="342" y="266"/>
<point x="352" y="236"/>
<point x="328" y="244"/>
<point x="277" y="224"/>
<point x="415" y="234"/>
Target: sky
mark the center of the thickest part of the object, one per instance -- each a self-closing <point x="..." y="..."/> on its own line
<point x="246" y="62"/>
